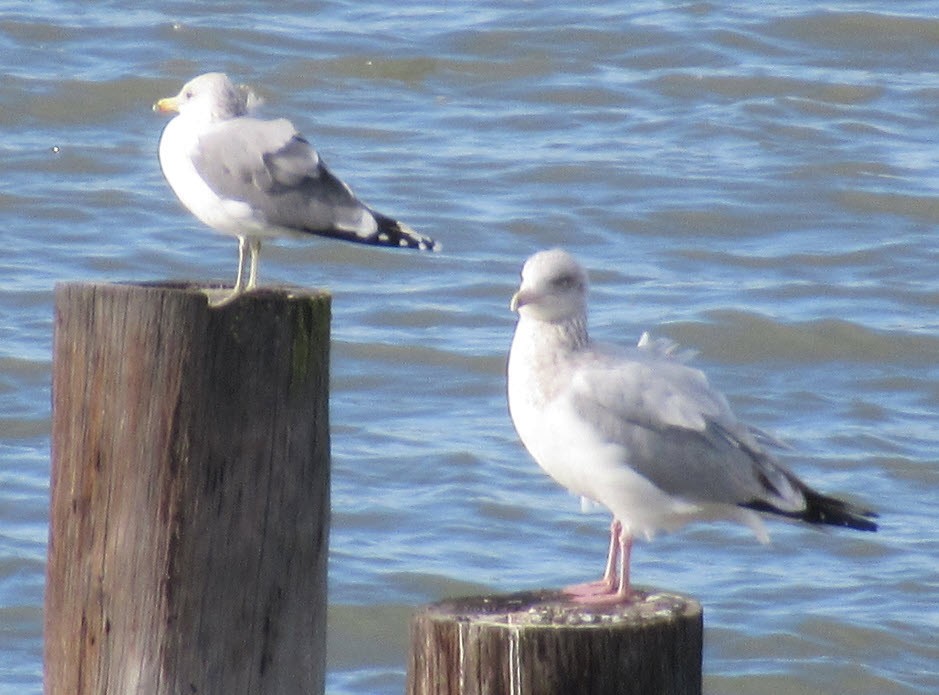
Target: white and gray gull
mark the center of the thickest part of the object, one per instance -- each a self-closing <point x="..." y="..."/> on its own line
<point x="638" y="431"/>
<point x="256" y="179"/>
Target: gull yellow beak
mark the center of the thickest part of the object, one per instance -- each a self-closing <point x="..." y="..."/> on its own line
<point x="167" y="105"/>
<point x="519" y="299"/>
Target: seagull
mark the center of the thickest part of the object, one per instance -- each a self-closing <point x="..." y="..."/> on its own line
<point x="639" y="431"/>
<point x="255" y="179"/>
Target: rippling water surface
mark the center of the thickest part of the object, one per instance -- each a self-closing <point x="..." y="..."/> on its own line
<point x="758" y="183"/>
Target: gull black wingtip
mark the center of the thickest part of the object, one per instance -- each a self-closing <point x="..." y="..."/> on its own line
<point x="824" y="511"/>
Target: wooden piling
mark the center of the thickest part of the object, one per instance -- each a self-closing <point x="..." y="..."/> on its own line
<point x="540" y="643"/>
<point x="190" y="492"/>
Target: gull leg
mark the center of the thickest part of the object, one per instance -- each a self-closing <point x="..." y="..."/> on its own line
<point x="616" y="528"/>
<point x="606" y="585"/>
<point x="254" y="246"/>
<point x="239" y="279"/>
<point x="614" y="586"/>
<point x="623" y="591"/>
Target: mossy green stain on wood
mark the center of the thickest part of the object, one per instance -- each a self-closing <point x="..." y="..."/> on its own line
<point x="312" y="318"/>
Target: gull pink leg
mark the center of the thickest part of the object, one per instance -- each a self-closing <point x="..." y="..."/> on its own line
<point x="610" y="590"/>
<point x="607" y="584"/>
<point x="609" y="573"/>
<point x="624" y="592"/>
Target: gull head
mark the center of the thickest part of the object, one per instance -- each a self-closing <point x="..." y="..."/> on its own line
<point x="208" y="98"/>
<point x="553" y="288"/>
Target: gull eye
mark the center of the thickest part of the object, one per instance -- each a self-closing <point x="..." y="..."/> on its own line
<point x="564" y="282"/>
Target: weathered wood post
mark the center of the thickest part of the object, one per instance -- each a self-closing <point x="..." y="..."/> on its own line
<point x="540" y="643"/>
<point x="190" y="493"/>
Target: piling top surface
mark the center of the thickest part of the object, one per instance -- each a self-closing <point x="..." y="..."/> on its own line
<point x="548" y="607"/>
<point x="209" y="291"/>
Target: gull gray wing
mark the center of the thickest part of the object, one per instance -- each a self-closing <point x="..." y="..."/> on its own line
<point x="677" y="430"/>
<point x="280" y="175"/>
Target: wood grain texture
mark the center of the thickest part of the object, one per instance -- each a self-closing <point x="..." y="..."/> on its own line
<point x="190" y="492"/>
<point x="540" y="643"/>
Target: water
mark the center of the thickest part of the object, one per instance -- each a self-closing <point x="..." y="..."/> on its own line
<point x="759" y="183"/>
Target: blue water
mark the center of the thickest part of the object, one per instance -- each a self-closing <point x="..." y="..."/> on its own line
<point x="758" y="182"/>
